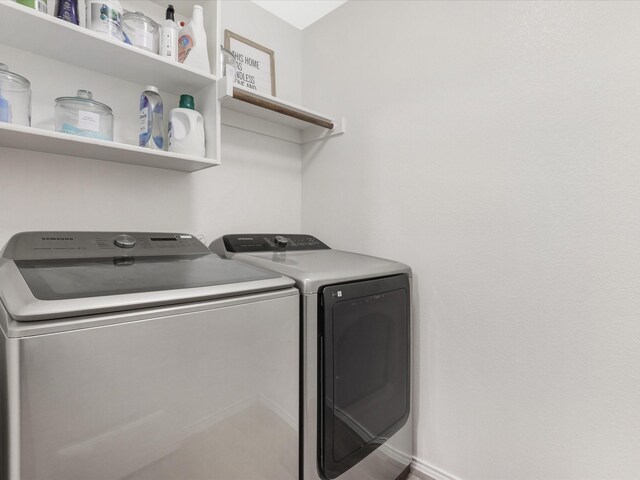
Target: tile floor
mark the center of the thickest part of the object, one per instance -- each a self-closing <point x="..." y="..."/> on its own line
<point x="414" y="477"/>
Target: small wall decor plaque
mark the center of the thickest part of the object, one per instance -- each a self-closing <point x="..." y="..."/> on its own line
<point x="255" y="64"/>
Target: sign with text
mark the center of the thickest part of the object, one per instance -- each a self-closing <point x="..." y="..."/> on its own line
<point x="255" y="65"/>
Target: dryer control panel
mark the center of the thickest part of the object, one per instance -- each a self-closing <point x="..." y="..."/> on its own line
<point x="271" y="242"/>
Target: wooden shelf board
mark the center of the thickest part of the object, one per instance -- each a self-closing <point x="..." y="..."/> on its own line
<point x="244" y="100"/>
<point x="289" y="121"/>
<point x="27" y="29"/>
<point x="280" y="107"/>
<point x="38" y="140"/>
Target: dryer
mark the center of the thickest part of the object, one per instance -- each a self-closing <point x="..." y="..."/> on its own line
<point x="356" y="354"/>
<point x="143" y="356"/>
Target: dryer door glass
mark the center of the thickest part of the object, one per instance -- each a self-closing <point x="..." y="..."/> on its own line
<point x="364" y="362"/>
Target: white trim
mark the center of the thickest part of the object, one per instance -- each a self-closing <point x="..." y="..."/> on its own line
<point x="289" y="419"/>
<point x="424" y="471"/>
<point x="395" y="454"/>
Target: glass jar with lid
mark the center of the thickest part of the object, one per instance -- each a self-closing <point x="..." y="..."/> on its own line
<point x="227" y="64"/>
<point x="141" y="31"/>
<point x="15" y="98"/>
<point x="82" y="115"/>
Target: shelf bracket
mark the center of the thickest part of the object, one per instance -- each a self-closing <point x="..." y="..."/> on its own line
<point x="315" y="134"/>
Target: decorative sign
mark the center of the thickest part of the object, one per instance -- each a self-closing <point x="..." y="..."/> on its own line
<point x="255" y="65"/>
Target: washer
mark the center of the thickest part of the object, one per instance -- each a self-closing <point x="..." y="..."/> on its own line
<point x="144" y="356"/>
<point x="355" y="362"/>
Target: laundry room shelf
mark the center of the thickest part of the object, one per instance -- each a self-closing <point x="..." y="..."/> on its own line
<point x="307" y="125"/>
<point x="27" y="29"/>
<point x="38" y="140"/>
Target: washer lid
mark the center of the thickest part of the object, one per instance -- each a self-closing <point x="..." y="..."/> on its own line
<point x="315" y="269"/>
<point x="310" y="262"/>
<point x="61" y="274"/>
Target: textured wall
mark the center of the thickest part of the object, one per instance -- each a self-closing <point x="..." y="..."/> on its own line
<point x="494" y="147"/>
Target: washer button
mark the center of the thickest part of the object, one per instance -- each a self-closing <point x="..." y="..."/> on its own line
<point x="125" y="241"/>
<point x="281" y="241"/>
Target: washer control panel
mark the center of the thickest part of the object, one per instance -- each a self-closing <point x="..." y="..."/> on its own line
<point x="271" y="242"/>
<point x="67" y="245"/>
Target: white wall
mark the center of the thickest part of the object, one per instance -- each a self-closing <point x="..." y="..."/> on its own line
<point x="494" y="147"/>
<point x="257" y="187"/>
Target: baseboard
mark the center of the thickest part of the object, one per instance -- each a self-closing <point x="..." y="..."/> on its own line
<point x="279" y="411"/>
<point x="424" y="471"/>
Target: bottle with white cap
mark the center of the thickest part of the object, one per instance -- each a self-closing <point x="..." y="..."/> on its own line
<point x="151" y="112"/>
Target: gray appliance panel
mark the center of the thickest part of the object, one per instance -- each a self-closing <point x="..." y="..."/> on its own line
<point x="313" y="269"/>
<point x="16" y="329"/>
<point x="202" y="391"/>
<point x="45" y="275"/>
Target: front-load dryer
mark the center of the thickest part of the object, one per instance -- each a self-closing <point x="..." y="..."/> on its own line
<point x="356" y="354"/>
<point x="144" y="356"/>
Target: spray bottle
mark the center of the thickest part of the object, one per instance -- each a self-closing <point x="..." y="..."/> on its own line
<point x="169" y="36"/>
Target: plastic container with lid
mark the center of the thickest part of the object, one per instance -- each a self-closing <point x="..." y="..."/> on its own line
<point x="40" y="5"/>
<point x="141" y="31"/>
<point x="15" y="98"/>
<point x="82" y="115"/>
<point x="105" y="17"/>
<point x="186" y="129"/>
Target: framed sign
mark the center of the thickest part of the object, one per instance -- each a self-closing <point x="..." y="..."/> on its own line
<point x="255" y="64"/>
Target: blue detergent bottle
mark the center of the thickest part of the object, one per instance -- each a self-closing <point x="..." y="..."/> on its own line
<point x="151" y="121"/>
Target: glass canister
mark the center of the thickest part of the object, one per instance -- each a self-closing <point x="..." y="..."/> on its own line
<point x="227" y="63"/>
<point x="82" y="115"/>
<point x="105" y="17"/>
<point x="141" y="31"/>
<point x="15" y="98"/>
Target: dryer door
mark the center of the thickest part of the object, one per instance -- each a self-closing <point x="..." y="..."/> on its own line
<point x="364" y="375"/>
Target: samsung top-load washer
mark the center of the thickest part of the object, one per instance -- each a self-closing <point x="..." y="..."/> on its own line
<point x="355" y="343"/>
<point x="143" y="356"/>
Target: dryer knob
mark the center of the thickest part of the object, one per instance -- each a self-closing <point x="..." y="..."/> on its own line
<point x="125" y="241"/>
<point x="281" y="241"/>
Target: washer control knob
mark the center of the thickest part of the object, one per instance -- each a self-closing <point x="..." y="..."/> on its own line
<point x="281" y="241"/>
<point x="125" y="241"/>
